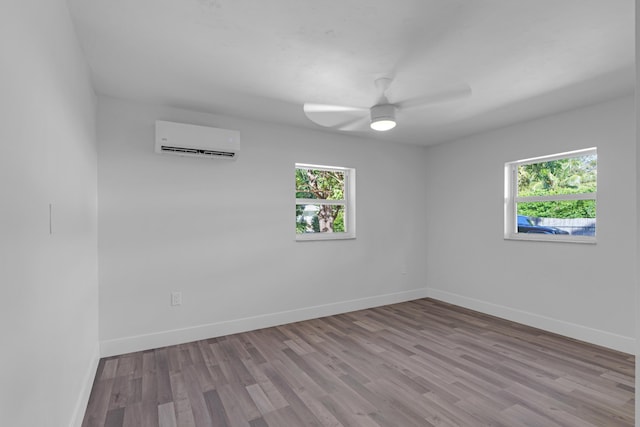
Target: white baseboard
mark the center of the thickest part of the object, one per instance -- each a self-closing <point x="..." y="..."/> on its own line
<point x="179" y="336"/>
<point x="572" y="330"/>
<point x="87" y="384"/>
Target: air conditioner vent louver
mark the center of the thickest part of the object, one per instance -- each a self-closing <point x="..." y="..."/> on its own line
<point x="196" y="141"/>
<point x="198" y="152"/>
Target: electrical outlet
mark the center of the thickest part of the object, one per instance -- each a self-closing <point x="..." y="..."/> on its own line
<point x="176" y="298"/>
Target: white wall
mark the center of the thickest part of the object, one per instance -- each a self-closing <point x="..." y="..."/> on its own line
<point x="584" y="291"/>
<point x="48" y="319"/>
<point x="637" y="298"/>
<point x="222" y="232"/>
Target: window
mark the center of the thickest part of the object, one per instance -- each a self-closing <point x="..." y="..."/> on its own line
<point x="552" y="198"/>
<point x="325" y="202"/>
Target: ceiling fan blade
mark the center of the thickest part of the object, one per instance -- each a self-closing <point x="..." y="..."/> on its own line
<point x="333" y="115"/>
<point x="360" y="123"/>
<point x="325" y="108"/>
<point x="450" y="94"/>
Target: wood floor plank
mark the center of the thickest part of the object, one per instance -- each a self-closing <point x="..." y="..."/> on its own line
<point x="292" y="397"/>
<point x="167" y="415"/>
<point x="98" y="404"/>
<point x="150" y="414"/>
<point x="149" y="379"/>
<point x="184" y="415"/>
<point x="272" y="393"/>
<point x="236" y="395"/>
<point x="386" y="412"/>
<point x="345" y="415"/>
<point x="414" y="364"/>
<point x="120" y="392"/>
<point x="110" y="369"/>
<point x="163" y="382"/>
<point x="178" y="389"/>
<point x="126" y="366"/>
<point x="199" y="406"/>
<point x="260" y="398"/>
<point x="319" y="411"/>
<point x="217" y="411"/>
<point x="258" y="422"/>
<point x="115" y="418"/>
<point x="133" y="415"/>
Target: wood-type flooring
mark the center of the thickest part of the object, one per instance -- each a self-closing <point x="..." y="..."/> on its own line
<point x="420" y="363"/>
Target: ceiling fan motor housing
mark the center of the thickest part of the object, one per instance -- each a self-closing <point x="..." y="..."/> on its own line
<point x="383" y="112"/>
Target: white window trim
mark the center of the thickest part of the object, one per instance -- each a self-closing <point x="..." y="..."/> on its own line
<point x="349" y="202"/>
<point x="511" y="199"/>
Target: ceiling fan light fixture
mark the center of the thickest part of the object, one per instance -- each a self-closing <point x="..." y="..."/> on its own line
<point x="383" y="117"/>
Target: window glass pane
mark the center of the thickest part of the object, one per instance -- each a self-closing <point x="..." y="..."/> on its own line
<point x="562" y="176"/>
<point x="320" y="219"/>
<point x="575" y="217"/>
<point x="319" y="184"/>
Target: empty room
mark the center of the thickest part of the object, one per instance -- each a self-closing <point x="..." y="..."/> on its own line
<point x="340" y="213"/>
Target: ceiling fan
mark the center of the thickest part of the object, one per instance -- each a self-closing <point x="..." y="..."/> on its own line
<point x="381" y="116"/>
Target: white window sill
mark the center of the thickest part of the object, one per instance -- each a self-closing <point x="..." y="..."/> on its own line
<point x="533" y="237"/>
<point x="310" y="237"/>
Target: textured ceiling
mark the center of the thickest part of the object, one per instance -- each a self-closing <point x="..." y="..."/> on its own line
<point x="264" y="59"/>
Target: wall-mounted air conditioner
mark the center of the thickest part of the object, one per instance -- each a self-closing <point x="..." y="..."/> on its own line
<point x="196" y="141"/>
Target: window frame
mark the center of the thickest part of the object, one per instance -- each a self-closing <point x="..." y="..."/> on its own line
<point x="511" y="199"/>
<point x="348" y="202"/>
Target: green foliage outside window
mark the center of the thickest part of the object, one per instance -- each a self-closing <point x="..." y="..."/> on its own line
<point x="559" y="209"/>
<point x="321" y="185"/>
<point x="576" y="175"/>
